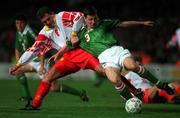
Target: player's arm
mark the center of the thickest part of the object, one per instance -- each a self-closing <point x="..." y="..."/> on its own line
<point x="73" y="20"/>
<point x="59" y="54"/>
<point x="37" y="49"/>
<point x="74" y="38"/>
<point x="135" y="23"/>
<point x="63" y="50"/>
<point x="30" y="53"/>
<point x="42" y="69"/>
<point x="17" y="48"/>
<point x="17" y="54"/>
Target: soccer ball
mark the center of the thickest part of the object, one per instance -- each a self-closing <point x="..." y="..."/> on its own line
<point x="133" y="105"/>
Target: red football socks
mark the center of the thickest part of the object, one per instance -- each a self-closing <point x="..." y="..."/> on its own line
<point x="41" y="92"/>
<point x="165" y="95"/>
<point x="177" y="89"/>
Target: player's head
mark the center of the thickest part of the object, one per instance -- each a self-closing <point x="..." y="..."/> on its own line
<point x="46" y="16"/>
<point x="91" y="17"/>
<point x="20" y="22"/>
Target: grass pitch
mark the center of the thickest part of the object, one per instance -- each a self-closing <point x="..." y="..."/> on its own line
<point x="104" y="103"/>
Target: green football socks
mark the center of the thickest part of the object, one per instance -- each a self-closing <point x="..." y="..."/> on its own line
<point x="24" y="85"/>
<point x="124" y="92"/>
<point x="66" y="89"/>
<point x="148" y="75"/>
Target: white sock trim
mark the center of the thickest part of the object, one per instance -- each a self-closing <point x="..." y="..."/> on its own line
<point x="158" y="82"/>
<point x="141" y="70"/>
<point x="120" y="88"/>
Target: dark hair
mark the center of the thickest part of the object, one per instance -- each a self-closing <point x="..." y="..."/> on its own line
<point x="137" y="58"/>
<point x="90" y="10"/>
<point x="21" y="16"/>
<point x="42" y="11"/>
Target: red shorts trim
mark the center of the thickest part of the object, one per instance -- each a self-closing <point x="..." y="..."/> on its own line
<point x="75" y="60"/>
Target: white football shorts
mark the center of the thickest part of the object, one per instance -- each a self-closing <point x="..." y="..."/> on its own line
<point x="114" y="57"/>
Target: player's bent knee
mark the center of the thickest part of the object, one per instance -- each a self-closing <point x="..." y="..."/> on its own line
<point x="100" y="70"/>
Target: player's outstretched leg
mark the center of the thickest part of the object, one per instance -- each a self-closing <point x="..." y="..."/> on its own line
<point x="69" y="90"/>
<point x="136" y="92"/>
<point x="63" y="88"/>
<point x="130" y="64"/>
<point x="162" y="85"/>
<point x="113" y="74"/>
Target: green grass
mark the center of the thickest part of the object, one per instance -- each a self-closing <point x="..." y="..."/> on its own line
<point x="104" y="103"/>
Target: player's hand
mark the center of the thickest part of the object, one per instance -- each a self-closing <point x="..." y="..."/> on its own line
<point x="53" y="58"/>
<point x="148" y="23"/>
<point x="12" y="70"/>
<point x="74" y="38"/>
<point x="42" y="70"/>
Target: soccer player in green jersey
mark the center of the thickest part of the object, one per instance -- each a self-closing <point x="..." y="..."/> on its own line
<point x="71" y="61"/>
<point x="25" y="37"/>
<point x="96" y="37"/>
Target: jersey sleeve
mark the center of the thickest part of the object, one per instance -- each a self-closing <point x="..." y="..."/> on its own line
<point x="78" y="22"/>
<point x="32" y="32"/>
<point x="73" y="19"/>
<point x="31" y="38"/>
<point x="110" y="23"/>
<point x="42" y="43"/>
<point x="39" y="48"/>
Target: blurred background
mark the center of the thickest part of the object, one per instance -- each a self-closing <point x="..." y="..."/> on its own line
<point x="150" y="43"/>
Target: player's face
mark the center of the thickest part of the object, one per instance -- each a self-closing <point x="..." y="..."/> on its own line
<point x="20" y="25"/>
<point x="91" y="21"/>
<point x="48" y="20"/>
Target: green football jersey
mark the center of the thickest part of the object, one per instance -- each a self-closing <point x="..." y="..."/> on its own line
<point x="98" y="39"/>
<point x="25" y="39"/>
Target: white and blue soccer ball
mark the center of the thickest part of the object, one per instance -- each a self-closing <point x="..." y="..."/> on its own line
<point x="133" y="105"/>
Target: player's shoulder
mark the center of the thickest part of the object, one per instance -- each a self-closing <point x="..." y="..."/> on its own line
<point x="27" y="29"/>
<point x="46" y="28"/>
<point x="46" y="31"/>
